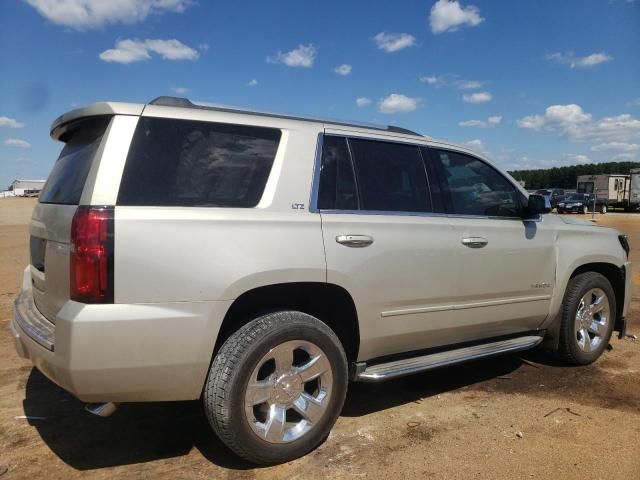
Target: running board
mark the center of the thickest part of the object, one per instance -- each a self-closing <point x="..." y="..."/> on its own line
<point x="408" y="366"/>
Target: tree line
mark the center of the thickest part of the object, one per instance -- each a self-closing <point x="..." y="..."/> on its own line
<point x="565" y="177"/>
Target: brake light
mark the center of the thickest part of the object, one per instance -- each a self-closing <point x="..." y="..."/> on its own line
<point x="91" y="258"/>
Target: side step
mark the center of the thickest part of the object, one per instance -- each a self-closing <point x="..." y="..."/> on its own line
<point x="408" y="366"/>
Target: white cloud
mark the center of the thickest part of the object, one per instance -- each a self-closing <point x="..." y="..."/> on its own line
<point x="615" y="147"/>
<point x="572" y="122"/>
<point x="569" y="58"/>
<point x="531" y="122"/>
<point x="526" y="163"/>
<point x="252" y="83"/>
<point x="16" y="142"/>
<point x="572" y="158"/>
<point x="449" y="16"/>
<point x="397" y="103"/>
<point x="180" y="90"/>
<point x="363" y="101"/>
<point x="477" y="97"/>
<point x="303" y="56"/>
<point x="433" y="80"/>
<point x="490" y="122"/>
<point x="473" y="123"/>
<point x="130" y="51"/>
<point x="94" y="14"/>
<point x="344" y="69"/>
<point x="625" y="157"/>
<point x="634" y="103"/>
<point x="477" y="145"/>
<point x="469" y="84"/>
<point x="10" y="122"/>
<point x="392" y="42"/>
<point x="203" y="47"/>
<point x="555" y="115"/>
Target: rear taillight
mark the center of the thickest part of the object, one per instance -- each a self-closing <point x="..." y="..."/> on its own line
<point x="91" y="259"/>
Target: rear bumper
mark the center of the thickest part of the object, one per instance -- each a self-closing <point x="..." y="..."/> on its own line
<point x="123" y="352"/>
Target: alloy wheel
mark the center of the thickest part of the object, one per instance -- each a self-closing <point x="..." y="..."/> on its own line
<point x="592" y="319"/>
<point x="288" y="391"/>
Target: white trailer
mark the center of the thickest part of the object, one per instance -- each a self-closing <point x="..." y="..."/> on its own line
<point x="634" y="189"/>
<point x="610" y="190"/>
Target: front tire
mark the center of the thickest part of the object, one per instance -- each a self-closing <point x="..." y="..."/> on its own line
<point x="588" y="317"/>
<point x="276" y="387"/>
<point x="603" y="209"/>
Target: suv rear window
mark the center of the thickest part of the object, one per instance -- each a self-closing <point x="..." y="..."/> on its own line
<point x="198" y="164"/>
<point x="66" y="180"/>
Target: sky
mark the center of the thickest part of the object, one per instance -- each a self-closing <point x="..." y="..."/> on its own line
<point x="530" y="83"/>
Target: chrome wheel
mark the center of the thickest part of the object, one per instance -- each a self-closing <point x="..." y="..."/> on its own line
<point x="288" y="391"/>
<point x="592" y="319"/>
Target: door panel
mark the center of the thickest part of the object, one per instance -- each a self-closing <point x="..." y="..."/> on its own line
<point x="507" y="283"/>
<point x="506" y="264"/>
<point x="403" y="283"/>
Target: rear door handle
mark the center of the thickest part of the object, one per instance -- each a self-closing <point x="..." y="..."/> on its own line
<point x="474" y="242"/>
<point x="354" y="240"/>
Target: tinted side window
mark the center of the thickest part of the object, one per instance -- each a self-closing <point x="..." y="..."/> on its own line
<point x="390" y="176"/>
<point x="474" y="188"/>
<point x="337" y="189"/>
<point x="190" y="163"/>
<point x="69" y="174"/>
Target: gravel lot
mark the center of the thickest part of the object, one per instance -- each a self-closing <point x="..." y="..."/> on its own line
<point x="511" y="417"/>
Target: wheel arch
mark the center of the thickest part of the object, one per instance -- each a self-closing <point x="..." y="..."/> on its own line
<point x="612" y="272"/>
<point x="328" y="302"/>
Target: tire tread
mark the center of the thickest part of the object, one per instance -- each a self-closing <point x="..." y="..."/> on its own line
<point x="217" y="392"/>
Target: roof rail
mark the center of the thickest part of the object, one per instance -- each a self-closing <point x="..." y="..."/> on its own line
<point x="166" y="101"/>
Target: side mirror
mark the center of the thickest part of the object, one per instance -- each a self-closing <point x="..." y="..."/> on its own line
<point x="538" y="204"/>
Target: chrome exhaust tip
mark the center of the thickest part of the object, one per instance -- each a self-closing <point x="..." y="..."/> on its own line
<point x="101" y="409"/>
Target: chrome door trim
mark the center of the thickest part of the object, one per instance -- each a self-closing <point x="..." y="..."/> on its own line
<point x="464" y="306"/>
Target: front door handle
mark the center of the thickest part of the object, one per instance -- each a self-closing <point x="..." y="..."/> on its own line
<point x="354" y="240"/>
<point x="474" y="242"/>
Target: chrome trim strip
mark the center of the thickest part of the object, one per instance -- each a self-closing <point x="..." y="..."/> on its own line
<point x="384" y="212"/>
<point x="463" y="306"/>
<point x="408" y="366"/>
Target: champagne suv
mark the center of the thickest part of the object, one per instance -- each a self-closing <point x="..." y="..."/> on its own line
<point x="260" y="262"/>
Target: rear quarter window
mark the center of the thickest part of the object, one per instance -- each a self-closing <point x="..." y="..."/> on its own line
<point x="69" y="174"/>
<point x="201" y="164"/>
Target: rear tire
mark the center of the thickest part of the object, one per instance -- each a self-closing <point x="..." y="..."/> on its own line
<point x="588" y="317"/>
<point x="276" y="387"/>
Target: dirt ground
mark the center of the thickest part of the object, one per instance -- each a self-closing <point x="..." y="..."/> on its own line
<point x="511" y="417"/>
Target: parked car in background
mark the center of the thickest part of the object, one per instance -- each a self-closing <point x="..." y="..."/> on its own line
<point x="259" y="262"/>
<point x="575" y="203"/>
<point x="554" y="195"/>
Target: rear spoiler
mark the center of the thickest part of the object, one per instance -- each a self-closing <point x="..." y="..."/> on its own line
<point x="60" y="124"/>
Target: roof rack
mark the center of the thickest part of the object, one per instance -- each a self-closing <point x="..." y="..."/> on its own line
<point x="166" y="101"/>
